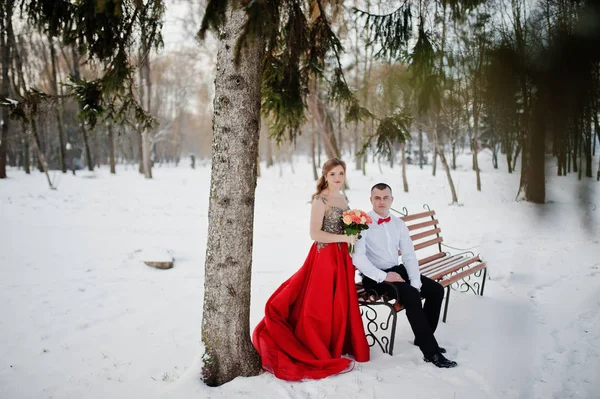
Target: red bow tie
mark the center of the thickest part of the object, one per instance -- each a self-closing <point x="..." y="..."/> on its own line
<point x="381" y="220"/>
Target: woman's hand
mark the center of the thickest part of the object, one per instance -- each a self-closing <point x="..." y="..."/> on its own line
<point x="353" y="239"/>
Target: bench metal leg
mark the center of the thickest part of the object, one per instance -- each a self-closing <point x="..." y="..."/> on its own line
<point x="446" y="304"/>
<point x="372" y="327"/>
<point x="483" y="281"/>
<point x="393" y="334"/>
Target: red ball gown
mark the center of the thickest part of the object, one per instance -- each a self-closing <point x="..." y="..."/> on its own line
<point x="313" y="318"/>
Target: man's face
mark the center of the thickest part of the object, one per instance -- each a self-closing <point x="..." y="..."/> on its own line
<point x="381" y="201"/>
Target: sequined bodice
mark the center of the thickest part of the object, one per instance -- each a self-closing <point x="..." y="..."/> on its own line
<point x="332" y="220"/>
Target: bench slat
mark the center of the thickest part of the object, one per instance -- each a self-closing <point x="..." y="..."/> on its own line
<point x="442" y="273"/>
<point x="432" y="258"/>
<point x="430" y="267"/>
<point x="435" y="262"/>
<point x="421" y="225"/>
<point x="428" y="243"/>
<point x="463" y="274"/>
<point x="445" y="262"/>
<point x="424" y="234"/>
<point x="449" y="268"/>
<point x="417" y="216"/>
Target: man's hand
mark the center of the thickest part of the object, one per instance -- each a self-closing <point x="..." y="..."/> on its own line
<point x="393" y="277"/>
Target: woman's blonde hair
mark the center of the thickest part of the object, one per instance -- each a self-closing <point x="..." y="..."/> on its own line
<point x="327" y="166"/>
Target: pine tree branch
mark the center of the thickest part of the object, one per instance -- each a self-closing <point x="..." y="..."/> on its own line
<point x="390" y="31"/>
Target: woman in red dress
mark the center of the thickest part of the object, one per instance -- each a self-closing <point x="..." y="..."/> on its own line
<point x="312" y="320"/>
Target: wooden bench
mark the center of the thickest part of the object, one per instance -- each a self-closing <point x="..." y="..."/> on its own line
<point x="461" y="272"/>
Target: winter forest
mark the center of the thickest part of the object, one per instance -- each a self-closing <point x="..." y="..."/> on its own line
<point x="195" y="131"/>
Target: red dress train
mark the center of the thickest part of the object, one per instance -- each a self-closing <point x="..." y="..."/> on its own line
<point x="313" y="319"/>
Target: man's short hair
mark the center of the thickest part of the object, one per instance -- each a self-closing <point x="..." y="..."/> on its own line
<point x="381" y="186"/>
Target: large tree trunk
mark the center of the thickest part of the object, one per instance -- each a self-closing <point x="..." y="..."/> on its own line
<point x="84" y="132"/>
<point x="236" y="128"/>
<point x="59" y="122"/>
<point x="5" y="22"/>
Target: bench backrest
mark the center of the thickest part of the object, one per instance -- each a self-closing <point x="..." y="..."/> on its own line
<point x="425" y="233"/>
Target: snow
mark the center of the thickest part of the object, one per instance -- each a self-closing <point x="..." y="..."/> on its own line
<point x="83" y="317"/>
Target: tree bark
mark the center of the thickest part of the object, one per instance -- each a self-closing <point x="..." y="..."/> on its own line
<point x="5" y="21"/>
<point x="236" y="126"/>
<point x="59" y="122"/>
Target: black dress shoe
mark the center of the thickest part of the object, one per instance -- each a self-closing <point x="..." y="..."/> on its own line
<point x="440" y="361"/>
<point x="440" y="349"/>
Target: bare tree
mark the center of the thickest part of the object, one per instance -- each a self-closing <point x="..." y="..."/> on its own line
<point x="6" y="9"/>
<point x="84" y="133"/>
<point x="59" y="121"/>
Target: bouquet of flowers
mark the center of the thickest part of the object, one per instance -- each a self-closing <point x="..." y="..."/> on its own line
<point x="355" y="221"/>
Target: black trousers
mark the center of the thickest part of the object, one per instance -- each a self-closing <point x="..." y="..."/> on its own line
<point x="423" y="319"/>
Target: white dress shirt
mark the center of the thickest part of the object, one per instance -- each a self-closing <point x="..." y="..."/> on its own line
<point x="377" y="250"/>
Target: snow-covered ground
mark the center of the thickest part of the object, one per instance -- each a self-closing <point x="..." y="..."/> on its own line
<point x="83" y="317"/>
